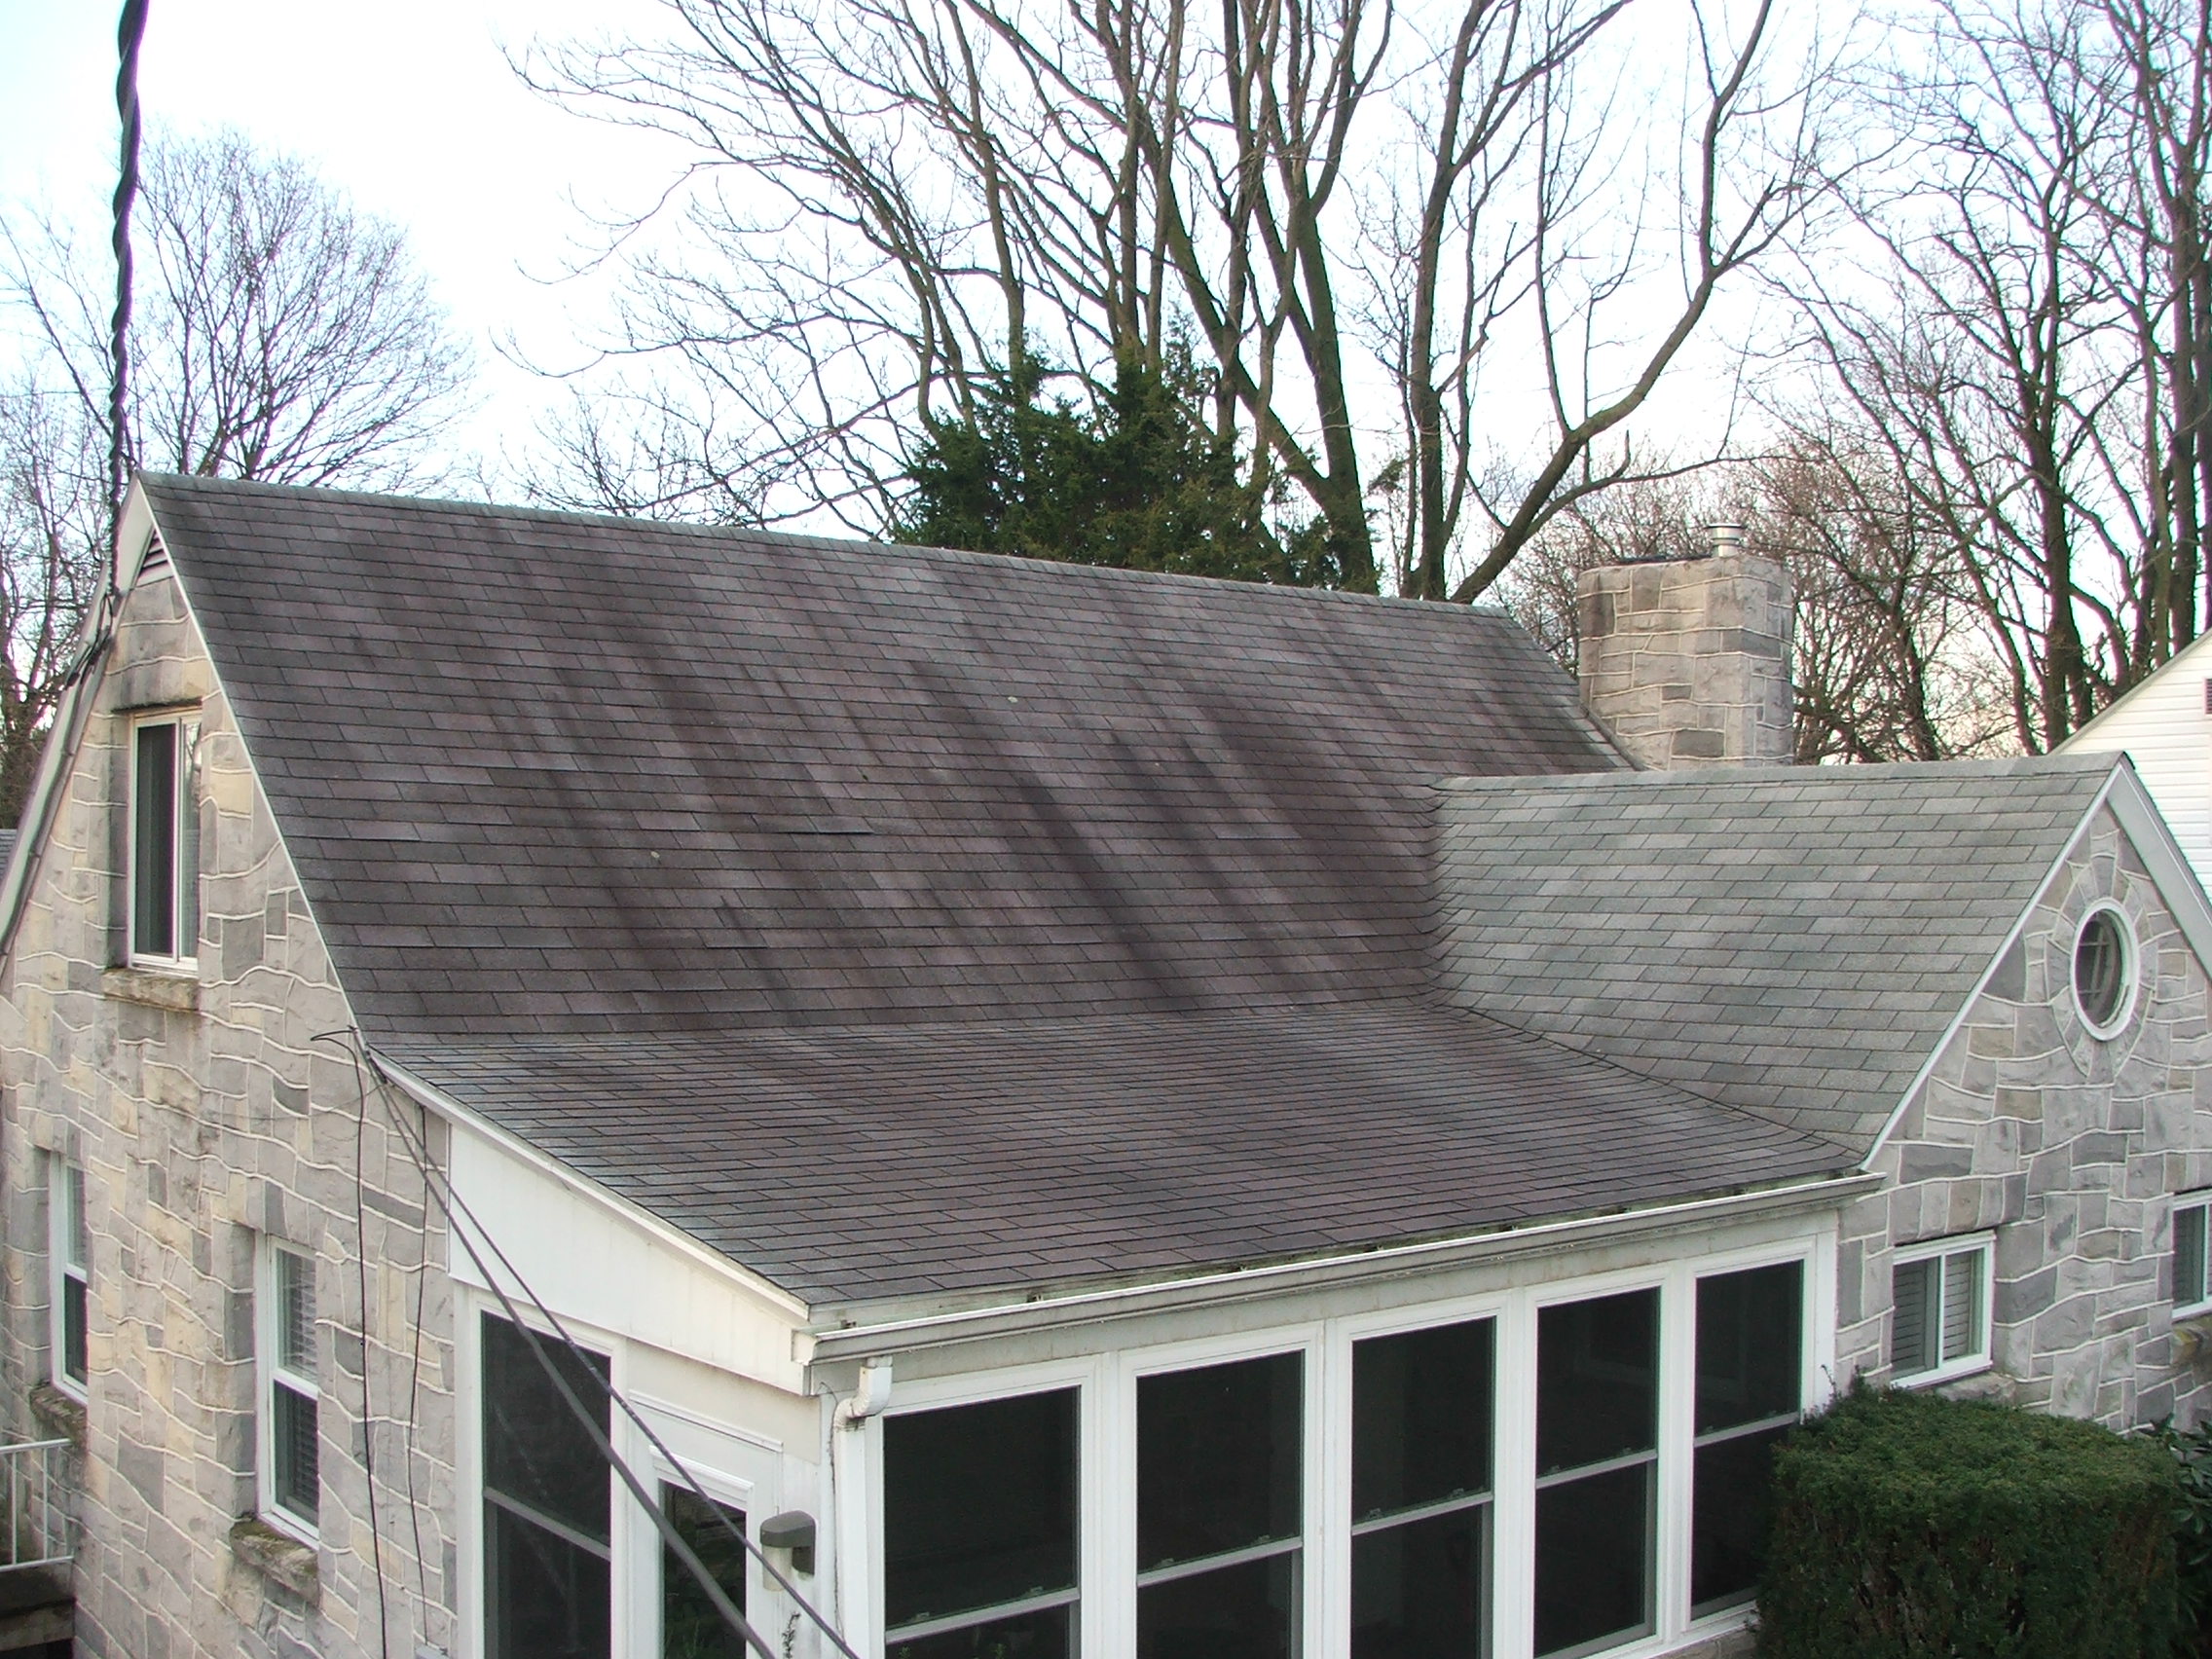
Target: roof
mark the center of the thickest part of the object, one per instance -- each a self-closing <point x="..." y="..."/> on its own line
<point x="933" y="1161"/>
<point x="1795" y="942"/>
<point x="561" y="775"/>
<point x="905" y="922"/>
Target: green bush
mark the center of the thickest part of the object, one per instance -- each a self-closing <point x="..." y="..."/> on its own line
<point x="1905" y="1523"/>
<point x="2192" y="1450"/>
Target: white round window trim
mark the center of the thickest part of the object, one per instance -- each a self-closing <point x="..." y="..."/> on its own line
<point x="2104" y="969"/>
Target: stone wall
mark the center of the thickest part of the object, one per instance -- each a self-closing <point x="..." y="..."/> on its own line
<point x="1688" y="661"/>
<point x="206" y="1113"/>
<point x="2071" y="1150"/>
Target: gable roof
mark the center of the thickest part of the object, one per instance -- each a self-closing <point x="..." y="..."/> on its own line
<point x="905" y="922"/>
<point x="558" y="775"/>
<point x="1793" y="941"/>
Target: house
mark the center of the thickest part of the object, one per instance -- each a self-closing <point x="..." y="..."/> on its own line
<point x="2164" y="726"/>
<point x="1083" y="1112"/>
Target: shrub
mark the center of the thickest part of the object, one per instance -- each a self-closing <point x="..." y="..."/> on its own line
<point x="2192" y="1450"/>
<point x="1906" y="1523"/>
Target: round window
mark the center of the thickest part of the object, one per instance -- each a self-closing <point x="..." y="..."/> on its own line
<point x="2104" y="972"/>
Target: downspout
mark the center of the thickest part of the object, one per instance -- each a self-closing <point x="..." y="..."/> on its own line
<point x="844" y="1467"/>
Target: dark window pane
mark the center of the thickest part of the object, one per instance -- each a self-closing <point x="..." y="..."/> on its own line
<point x="2189" y="1256"/>
<point x="1416" y="1588"/>
<point x="1596" y="1379"/>
<point x="1420" y="1416"/>
<point x="545" y="1597"/>
<point x="1913" y="1317"/>
<point x="978" y="1505"/>
<point x="1048" y="1635"/>
<point x="1749" y="1332"/>
<point x="153" y="924"/>
<point x="536" y="1450"/>
<point x="1218" y="1459"/>
<point x="1962" y="1304"/>
<point x="294" y="1447"/>
<point x="74" y="1363"/>
<point x="691" y="1625"/>
<point x="1729" y="1499"/>
<point x="1593" y="1560"/>
<point x="1249" y="1611"/>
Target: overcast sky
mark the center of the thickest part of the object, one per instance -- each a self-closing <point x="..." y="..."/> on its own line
<point x="406" y="104"/>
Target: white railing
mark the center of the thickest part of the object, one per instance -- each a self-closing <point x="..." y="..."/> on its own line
<point x="38" y="1511"/>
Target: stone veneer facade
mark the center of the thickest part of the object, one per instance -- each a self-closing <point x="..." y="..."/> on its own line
<point x="1686" y="661"/>
<point x="2070" y="1150"/>
<point x="207" y="1111"/>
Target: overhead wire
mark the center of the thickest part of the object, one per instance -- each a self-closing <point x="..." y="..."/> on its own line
<point x="457" y="1212"/>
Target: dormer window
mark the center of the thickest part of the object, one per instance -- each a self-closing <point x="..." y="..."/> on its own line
<point x="165" y="841"/>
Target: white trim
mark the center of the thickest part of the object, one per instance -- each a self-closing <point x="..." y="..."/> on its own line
<point x="2130" y="965"/>
<point x="60" y="1201"/>
<point x="184" y="721"/>
<point x="2202" y="1202"/>
<point x="1405" y="1261"/>
<point x="1983" y="1246"/>
<point x="268" y="1373"/>
<point x="456" y="1116"/>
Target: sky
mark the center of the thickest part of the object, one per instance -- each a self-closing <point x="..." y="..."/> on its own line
<point x="407" y="105"/>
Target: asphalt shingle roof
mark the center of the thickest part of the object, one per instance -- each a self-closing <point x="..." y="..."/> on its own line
<point x="1793" y="941"/>
<point x="932" y="1160"/>
<point x="905" y="922"/>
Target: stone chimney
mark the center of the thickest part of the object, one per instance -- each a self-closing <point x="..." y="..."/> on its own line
<point x="1686" y="661"/>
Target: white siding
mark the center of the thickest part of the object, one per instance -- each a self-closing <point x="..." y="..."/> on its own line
<point x="2162" y="727"/>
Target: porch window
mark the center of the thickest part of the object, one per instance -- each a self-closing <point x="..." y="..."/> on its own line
<point x="979" y="1528"/>
<point x="164" y="842"/>
<point x="691" y="1625"/>
<point x="291" y="1482"/>
<point x="1750" y="1391"/>
<point x="1219" y="1510"/>
<point x="2193" y="1287"/>
<point x="548" y="1501"/>
<point x="69" y="1251"/>
<point x="1596" y="1468"/>
<point x="1939" y="1318"/>
<point x="1420" y="1493"/>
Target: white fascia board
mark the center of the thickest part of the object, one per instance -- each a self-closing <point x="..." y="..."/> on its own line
<point x="135" y="534"/>
<point x="2170" y="871"/>
<point x="1328" y="1272"/>
<point x="431" y="1098"/>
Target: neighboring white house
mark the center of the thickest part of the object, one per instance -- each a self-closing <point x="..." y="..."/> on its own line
<point x="2164" y="725"/>
<point x="1090" y="1113"/>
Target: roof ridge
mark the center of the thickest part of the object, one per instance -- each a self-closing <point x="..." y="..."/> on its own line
<point x="157" y="482"/>
<point x="2093" y="765"/>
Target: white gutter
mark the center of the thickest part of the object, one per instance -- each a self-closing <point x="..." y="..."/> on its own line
<point x="878" y="1342"/>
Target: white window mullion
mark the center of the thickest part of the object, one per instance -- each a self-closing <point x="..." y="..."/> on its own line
<point x="1514" y="1534"/>
<point x="1677" y="1434"/>
<point x="1328" y="1551"/>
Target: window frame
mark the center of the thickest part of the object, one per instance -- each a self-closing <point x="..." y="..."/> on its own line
<point x="65" y="1199"/>
<point x="272" y="1373"/>
<point x="1983" y="1246"/>
<point x="2202" y="1203"/>
<point x="1107" y="1549"/>
<point x="2130" y="977"/>
<point x="184" y="910"/>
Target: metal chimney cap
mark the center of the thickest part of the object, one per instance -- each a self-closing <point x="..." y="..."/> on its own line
<point x="1728" y="536"/>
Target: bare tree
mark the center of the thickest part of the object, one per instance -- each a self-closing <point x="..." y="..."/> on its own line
<point x="893" y="201"/>
<point x="278" y="335"/>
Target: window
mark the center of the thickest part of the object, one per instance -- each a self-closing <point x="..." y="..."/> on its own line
<point x="1940" y="1322"/>
<point x="1220" y="1510"/>
<point x="1749" y="1390"/>
<point x="165" y="841"/>
<point x="2192" y="1291"/>
<point x="548" y="1501"/>
<point x="69" y="1288"/>
<point x="2104" y="969"/>
<point x="979" y="1528"/>
<point x="291" y="1479"/>
<point x="1597" y="1470"/>
<point x="691" y="1625"/>
<point x="1420" y="1493"/>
